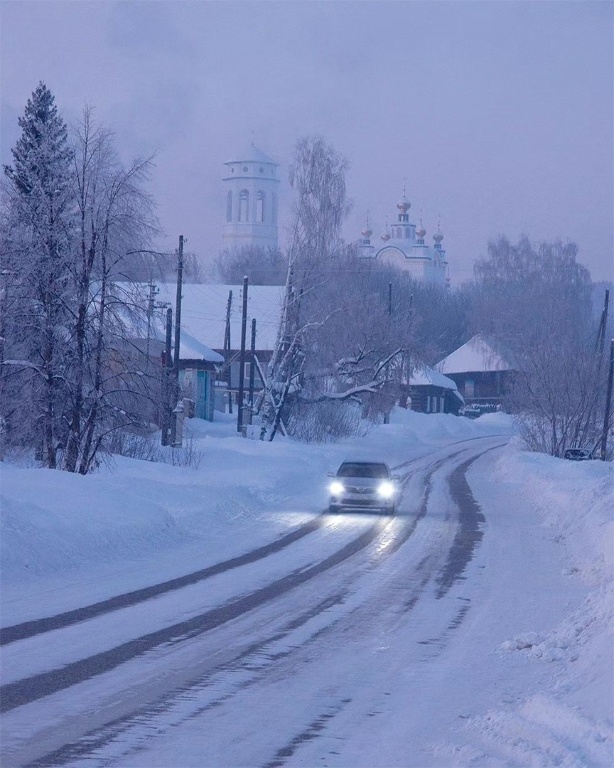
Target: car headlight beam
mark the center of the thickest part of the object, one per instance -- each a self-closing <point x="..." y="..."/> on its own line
<point x="336" y="488"/>
<point x="386" y="490"/>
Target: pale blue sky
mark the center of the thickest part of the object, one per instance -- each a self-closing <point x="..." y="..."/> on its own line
<point x="497" y="114"/>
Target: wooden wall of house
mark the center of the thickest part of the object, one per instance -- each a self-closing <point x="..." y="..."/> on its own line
<point x="487" y="386"/>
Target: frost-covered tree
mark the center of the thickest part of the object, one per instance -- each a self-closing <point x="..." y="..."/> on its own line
<point x="263" y="266"/>
<point x="39" y="230"/>
<point x="535" y="301"/>
<point x="317" y="176"/>
<point x="72" y="214"/>
<point x="115" y="218"/>
<point x="338" y="344"/>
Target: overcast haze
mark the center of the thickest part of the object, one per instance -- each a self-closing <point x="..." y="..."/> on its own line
<point x="497" y="116"/>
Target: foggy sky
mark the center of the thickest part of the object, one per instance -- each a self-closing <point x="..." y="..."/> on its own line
<point x="497" y="116"/>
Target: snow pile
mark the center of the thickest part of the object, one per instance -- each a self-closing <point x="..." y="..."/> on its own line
<point x="558" y="490"/>
<point x="563" y="725"/>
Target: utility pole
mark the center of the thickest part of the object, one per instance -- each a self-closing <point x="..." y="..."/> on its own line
<point x="227" y="351"/>
<point x="151" y="305"/>
<point x="252" y="365"/>
<point x="387" y="414"/>
<point x="603" y="324"/>
<point x="608" y="402"/>
<point x="166" y="379"/>
<point x="242" y="357"/>
<point x="175" y="385"/>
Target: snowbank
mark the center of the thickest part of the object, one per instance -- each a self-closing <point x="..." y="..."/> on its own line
<point x="565" y="724"/>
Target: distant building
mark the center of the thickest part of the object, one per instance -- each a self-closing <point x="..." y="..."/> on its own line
<point x="431" y="392"/>
<point x="480" y="370"/>
<point x="251" y="199"/>
<point x="404" y="247"/>
<point x="211" y="338"/>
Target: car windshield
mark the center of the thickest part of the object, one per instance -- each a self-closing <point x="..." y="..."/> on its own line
<point x="358" y="469"/>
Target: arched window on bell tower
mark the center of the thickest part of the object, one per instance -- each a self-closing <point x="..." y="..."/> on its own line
<point x="229" y="206"/>
<point x="243" y="205"/>
<point x="260" y="209"/>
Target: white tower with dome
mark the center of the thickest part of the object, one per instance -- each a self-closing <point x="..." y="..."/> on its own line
<point x="251" y="186"/>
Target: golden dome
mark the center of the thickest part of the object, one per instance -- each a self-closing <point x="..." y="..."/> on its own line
<point x="421" y="232"/>
<point x="404" y="205"/>
<point x="367" y="232"/>
<point x="385" y="237"/>
<point x="438" y="237"/>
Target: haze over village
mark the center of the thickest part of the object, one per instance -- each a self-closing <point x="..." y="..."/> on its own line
<point x="496" y="117"/>
<point x="306" y="384"/>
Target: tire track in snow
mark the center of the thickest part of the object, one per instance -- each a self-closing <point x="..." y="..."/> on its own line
<point x="61" y="620"/>
<point x="32" y="688"/>
<point x="221" y="684"/>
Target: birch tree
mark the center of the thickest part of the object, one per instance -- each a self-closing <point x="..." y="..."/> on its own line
<point x="317" y="177"/>
<point x="115" y="216"/>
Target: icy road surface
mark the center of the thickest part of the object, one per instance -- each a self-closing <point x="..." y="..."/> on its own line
<point x="353" y="640"/>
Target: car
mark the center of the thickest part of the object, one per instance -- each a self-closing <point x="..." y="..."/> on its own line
<point x="578" y="454"/>
<point x="363" y="485"/>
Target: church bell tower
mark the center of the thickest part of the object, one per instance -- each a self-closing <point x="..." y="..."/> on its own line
<point x="251" y="187"/>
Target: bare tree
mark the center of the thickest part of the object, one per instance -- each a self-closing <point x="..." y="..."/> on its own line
<point x="317" y="176"/>
<point x="115" y="215"/>
<point x="535" y="301"/>
<point x="263" y="266"/>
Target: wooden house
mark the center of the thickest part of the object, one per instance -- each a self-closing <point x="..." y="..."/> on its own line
<point x="480" y="370"/>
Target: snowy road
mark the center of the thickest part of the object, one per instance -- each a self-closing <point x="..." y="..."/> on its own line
<point x="286" y="655"/>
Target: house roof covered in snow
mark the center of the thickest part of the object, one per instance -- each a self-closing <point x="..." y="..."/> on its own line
<point x="426" y="376"/>
<point x="476" y="356"/>
<point x="203" y="316"/>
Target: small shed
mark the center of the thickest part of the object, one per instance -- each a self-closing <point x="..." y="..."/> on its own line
<point x="432" y="392"/>
<point x="198" y="367"/>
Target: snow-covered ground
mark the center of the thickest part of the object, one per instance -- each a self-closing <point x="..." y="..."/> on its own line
<point x="539" y="631"/>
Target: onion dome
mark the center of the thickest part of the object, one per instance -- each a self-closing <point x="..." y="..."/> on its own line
<point x="438" y="237"/>
<point x="367" y="232"/>
<point x="385" y="237"/>
<point x="404" y="205"/>
<point x="421" y="232"/>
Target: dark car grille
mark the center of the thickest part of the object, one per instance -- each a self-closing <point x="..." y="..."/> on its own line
<point x="355" y="489"/>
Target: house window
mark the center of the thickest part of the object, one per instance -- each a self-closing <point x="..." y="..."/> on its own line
<point x="260" y="212"/>
<point x="243" y="205"/>
<point x="229" y="206"/>
<point x="469" y="388"/>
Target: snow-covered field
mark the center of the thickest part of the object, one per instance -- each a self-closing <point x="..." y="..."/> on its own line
<point x="540" y="629"/>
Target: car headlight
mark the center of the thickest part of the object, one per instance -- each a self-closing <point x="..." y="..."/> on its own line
<point x="336" y="488"/>
<point x="386" y="490"/>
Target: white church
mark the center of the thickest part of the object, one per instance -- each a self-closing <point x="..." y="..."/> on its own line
<point x="404" y="247"/>
<point x="251" y="187"/>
